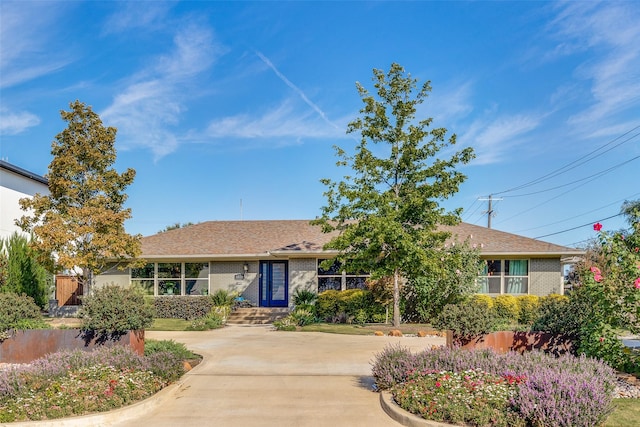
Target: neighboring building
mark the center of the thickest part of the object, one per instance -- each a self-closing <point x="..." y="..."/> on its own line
<point x="266" y="261"/>
<point x="16" y="183"/>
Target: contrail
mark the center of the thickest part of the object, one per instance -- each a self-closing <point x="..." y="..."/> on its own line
<point x="295" y="88"/>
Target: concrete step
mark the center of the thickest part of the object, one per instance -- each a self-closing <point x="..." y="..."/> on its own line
<point x="256" y="315"/>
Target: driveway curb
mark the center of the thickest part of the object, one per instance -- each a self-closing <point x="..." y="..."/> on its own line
<point x="403" y="417"/>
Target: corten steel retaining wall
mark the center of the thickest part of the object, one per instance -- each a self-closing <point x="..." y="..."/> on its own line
<point x="25" y="346"/>
<point x="504" y="341"/>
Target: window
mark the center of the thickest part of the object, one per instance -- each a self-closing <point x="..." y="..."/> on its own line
<point x="172" y="278"/>
<point x="509" y="276"/>
<point x="337" y="279"/>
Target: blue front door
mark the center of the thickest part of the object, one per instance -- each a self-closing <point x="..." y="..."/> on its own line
<point x="274" y="284"/>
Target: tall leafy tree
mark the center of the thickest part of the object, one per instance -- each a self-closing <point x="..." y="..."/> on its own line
<point x="387" y="211"/>
<point x="82" y="220"/>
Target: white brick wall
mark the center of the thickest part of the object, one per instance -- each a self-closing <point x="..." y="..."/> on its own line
<point x="223" y="276"/>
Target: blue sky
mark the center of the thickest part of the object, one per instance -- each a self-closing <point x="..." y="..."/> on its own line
<point x="230" y="110"/>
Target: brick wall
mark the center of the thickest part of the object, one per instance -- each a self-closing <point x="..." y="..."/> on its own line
<point x="545" y="276"/>
<point x="303" y="274"/>
<point x="227" y="275"/>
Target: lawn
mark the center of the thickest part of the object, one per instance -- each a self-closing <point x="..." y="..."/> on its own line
<point x="625" y="414"/>
<point x="160" y="324"/>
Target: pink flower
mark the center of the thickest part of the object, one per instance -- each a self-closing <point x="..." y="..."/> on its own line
<point x="597" y="226"/>
<point x="601" y="339"/>
<point x="595" y="270"/>
<point x="438" y="384"/>
<point x="637" y="283"/>
<point x="597" y="277"/>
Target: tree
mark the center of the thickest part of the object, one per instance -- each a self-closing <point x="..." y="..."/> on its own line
<point x="388" y="212"/>
<point x="452" y="281"/>
<point x="175" y="226"/>
<point x="81" y="221"/>
<point x="21" y="271"/>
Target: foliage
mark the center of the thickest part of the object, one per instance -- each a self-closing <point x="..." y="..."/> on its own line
<point x="472" y="397"/>
<point x="113" y="309"/>
<point x="78" y="382"/>
<point x="213" y="320"/>
<point x="482" y="299"/>
<point x="551" y="316"/>
<point x="387" y="209"/>
<point x="22" y="273"/>
<point x="506" y="307"/>
<point x="222" y="297"/>
<point x="466" y="321"/>
<point x="529" y="306"/>
<point x="175" y="226"/>
<point x="182" y="306"/>
<point x="156" y="346"/>
<point x="19" y="312"/>
<point x="552" y="391"/>
<point x="345" y="306"/>
<point x="450" y="281"/>
<point x="305" y="299"/>
<point x="82" y="220"/>
<point x="286" y="324"/>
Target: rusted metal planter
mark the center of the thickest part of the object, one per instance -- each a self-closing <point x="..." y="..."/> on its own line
<point x="27" y="345"/>
<point x="504" y="341"/>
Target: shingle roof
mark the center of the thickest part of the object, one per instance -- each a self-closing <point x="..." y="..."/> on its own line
<point x="229" y="239"/>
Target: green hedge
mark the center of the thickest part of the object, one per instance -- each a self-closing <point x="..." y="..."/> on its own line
<point x="182" y="307"/>
<point x="353" y="305"/>
<point x="18" y="312"/>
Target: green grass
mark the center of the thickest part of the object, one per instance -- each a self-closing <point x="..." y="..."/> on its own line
<point x="625" y="414"/>
<point x="169" y="325"/>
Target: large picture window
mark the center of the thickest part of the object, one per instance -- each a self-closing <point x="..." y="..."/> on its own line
<point x="507" y="276"/>
<point x="172" y="278"/>
<point x="337" y="279"/>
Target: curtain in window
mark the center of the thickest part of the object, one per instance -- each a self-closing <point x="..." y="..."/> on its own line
<point x="517" y="285"/>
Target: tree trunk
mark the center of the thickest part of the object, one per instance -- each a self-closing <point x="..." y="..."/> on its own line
<point x="396" y="299"/>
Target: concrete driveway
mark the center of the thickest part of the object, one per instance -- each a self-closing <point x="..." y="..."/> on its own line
<point x="255" y="376"/>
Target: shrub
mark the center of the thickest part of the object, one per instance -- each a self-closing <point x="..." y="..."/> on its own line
<point x="344" y="306"/>
<point x="466" y="321"/>
<point x="551" y="314"/>
<point x="213" y="320"/>
<point x="182" y="306"/>
<point x="286" y="324"/>
<point x="304" y="297"/>
<point x="177" y="348"/>
<point x="529" y="306"/>
<point x="222" y="297"/>
<point x="506" y="307"/>
<point x="19" y="312"/>
<point x="302" y="317"/>
<point x="482" y="299"/>
<point x="114" y="309"/>
<point x="550" y="395"/>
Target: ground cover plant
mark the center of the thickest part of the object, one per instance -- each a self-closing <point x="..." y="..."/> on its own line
<point x="492" y="389"/>
<point x="77" y="382"/>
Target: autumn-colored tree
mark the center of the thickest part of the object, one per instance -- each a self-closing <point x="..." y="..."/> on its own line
<point x="387" y="208"/>
<point x="82" y="220"/>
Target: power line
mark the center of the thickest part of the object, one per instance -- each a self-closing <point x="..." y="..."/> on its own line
<point x="575" y="164"/>
<point x="580" y="226"/>
<point x="582" y="214"/>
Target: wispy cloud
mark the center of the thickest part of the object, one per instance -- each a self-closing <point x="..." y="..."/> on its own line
<point x="284" y="121"/>
<point x="610" y="32"/>
<point x="12" y="122"/>
<point x="296" y="89"/>
<point x="154" y="99"/>
<point x="132" y="15"/>
<point x="493" y="139"/>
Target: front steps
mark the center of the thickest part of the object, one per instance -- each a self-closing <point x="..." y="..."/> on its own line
<point x="256" y="316"/>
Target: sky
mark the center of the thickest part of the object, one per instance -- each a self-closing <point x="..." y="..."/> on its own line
<point x="231" y="110"/>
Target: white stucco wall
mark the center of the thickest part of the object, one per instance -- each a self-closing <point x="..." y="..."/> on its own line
<point x="14" y="187"/>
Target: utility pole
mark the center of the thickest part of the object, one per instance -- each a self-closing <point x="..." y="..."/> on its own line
<point x="490" y="212"/>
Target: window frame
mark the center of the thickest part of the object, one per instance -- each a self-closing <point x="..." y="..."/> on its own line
<point x="505" y="278"/>
<point x="342" y="275"/>
<point x="181" y="279"/>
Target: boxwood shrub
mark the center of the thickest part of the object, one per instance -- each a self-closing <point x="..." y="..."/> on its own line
<point x="352" y="305"/>
<point x="507" y="307"/>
